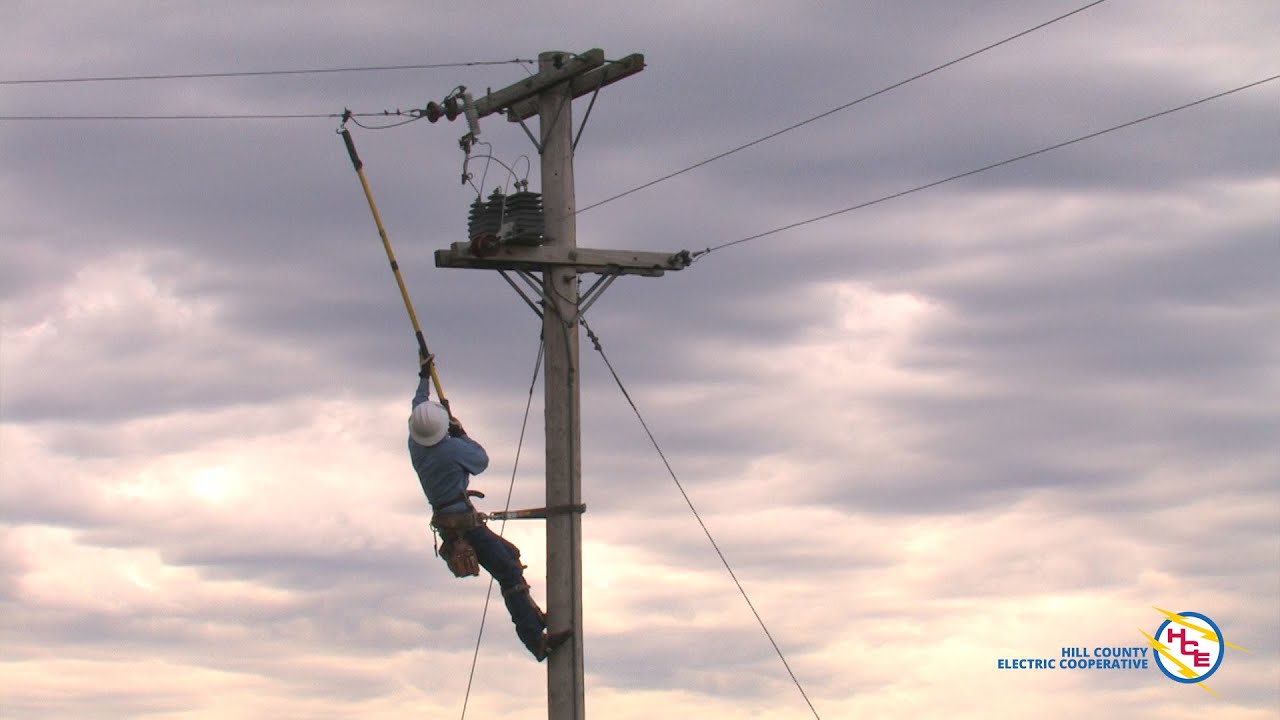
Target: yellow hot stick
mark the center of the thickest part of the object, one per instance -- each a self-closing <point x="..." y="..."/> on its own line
<point x="395" y="267"/>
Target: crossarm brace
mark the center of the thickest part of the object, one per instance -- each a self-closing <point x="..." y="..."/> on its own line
<point x="592" y="294"/>
<point x="523" y="296"/>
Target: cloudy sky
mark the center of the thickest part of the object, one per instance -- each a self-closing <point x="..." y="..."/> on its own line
<point x="992" y="419"/>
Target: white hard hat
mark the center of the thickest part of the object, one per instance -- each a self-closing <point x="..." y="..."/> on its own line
<point x="428" y="423"/>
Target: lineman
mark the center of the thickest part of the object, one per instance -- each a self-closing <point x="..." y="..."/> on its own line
<point x="444" y="458"/>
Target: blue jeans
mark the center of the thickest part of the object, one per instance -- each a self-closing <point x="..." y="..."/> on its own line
<point x="502" y="560"/>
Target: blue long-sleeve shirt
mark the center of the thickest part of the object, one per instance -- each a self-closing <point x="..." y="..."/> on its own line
<point x="445" y="469"/>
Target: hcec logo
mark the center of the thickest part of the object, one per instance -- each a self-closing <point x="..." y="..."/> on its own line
<point x="1189" y="647"/>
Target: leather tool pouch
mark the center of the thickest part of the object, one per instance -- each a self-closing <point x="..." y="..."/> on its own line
<point x="458" y="554"/>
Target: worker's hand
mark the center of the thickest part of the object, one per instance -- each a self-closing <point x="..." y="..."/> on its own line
<point x="424" y="364"/>
<point x="455" y="428"/>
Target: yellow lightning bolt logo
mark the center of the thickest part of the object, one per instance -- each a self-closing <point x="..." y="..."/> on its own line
<point x="1182" y="667"/>
<point x="1204" y="633"/>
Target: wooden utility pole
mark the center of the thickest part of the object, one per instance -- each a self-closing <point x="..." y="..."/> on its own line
<point x="549" y="95"/>
<point x="565" y="696"/>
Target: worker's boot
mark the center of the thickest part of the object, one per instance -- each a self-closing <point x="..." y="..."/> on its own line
<point x="550" y="641"/>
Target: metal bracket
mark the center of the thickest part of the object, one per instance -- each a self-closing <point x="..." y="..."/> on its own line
<point x="541" y="513"/>
<point x="585" y="300"/>
<point x="555" y="119"/>
<point x="528" y="279"/>
<point x="532" y="139"/>
<point x="592" y="294"/>
<point x="583" y="125"/>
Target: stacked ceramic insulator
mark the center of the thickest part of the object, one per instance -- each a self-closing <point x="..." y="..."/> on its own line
<point x="485" y="218"/>
<point x="523" y="215"/>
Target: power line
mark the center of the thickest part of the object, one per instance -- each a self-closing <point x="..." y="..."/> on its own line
<point x="596" y="342"/>
<point x="984" y="168"/>
<point x="845" y="106"/>
<point x="410" y="115"/>
<point x="239" y="116"/>
<point x="261" y="73"/>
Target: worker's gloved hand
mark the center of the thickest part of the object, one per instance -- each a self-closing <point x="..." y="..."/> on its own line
<point x="424" y="364"/>
<point x="455" y="428"/>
